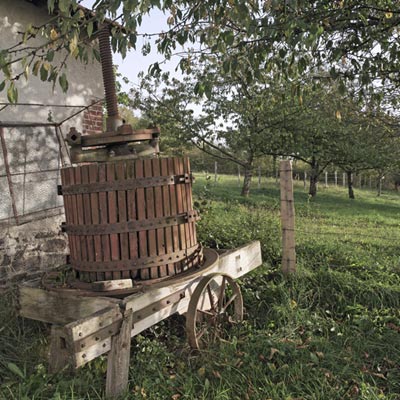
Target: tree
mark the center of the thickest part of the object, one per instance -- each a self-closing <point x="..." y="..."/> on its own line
<point x="238" y="122"/>
<point x="370" y="142"/>
<point x="349" y="39"/>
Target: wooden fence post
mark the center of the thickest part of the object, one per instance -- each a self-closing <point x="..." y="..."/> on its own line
<point x="259" y="177"/>
<point x="215" y="171"/>
<point x="344" y="179"/>
<point x="239" y="175"/>
<point x="305" y="180"/>
<point x="335" y="178"/>
<point x="287" y="218"/>
<point x="326" y="179"/>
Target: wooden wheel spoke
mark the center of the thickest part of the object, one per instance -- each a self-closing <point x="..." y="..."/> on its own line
<point x="221" y="296"/>
<point x="211" y="297"/>
<point x="230" y="301"/>
<point x="206" y="312"/>
<point x="201" y="333"/>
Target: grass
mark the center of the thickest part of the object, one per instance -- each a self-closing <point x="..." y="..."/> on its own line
<point x="329" y="332"/>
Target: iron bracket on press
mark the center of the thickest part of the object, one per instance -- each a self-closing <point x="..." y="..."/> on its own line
<point x="124" y="143"/>
<point x="127" y="184"/>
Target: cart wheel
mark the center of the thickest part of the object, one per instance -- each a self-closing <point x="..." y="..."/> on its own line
<point x="215" y="305"/>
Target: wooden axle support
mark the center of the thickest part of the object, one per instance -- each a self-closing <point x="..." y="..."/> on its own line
<point x="83" y="328"/>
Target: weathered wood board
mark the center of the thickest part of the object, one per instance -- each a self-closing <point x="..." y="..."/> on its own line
<point x="56" y="307"/>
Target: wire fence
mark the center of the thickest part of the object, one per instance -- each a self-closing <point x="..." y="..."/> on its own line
<point x="330" y="178"/>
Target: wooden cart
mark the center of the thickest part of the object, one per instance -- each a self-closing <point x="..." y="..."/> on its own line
<point x="85" y="327"/>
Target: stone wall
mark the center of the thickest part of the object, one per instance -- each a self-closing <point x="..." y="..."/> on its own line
<point x="34" y="243"/>
<point x="29" y="249"/>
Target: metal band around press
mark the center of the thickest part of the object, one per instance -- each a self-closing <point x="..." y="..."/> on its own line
<point x="126" y="184"/>
<point x="137" y="264"/>
<point x="131" y="226"/>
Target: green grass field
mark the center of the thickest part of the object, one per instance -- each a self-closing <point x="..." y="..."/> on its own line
<point x="331" y="331"/>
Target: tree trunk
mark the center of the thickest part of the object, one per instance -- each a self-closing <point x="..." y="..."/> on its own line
<point x="313" y="178"/>
<point x="274" y="169"/>
<point x="379" y="186"/>
<point x="248" y="174"/>
<point x="350" y="184"/>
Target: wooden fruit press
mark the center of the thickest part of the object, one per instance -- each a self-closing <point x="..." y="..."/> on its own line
<point x="134" y="255"/>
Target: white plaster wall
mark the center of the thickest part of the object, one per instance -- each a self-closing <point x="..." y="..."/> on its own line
<point x="85" y="81"/>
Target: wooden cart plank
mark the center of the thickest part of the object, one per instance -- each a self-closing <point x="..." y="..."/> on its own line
<point x="99" y="320"/>
<point x="58" y="308"/>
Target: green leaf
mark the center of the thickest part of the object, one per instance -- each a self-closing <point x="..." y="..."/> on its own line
<point x="228" y="37"/>
<point x="63" y="5"/>
<point x="15" y="369"/>
<point x="43" y="73"/>
<point x="2" y="86"/>
<point x="226" y="66"/>
<point x="73" y="45"/>
<point x="199" y="89"/>
<point x="63" y="82"/>
<point x="36" y="66"/>
<point x="89" y="29"/>
<point x="50" y="55"/>
<point x="12" y="93"/>
<point x="96" y="54"/>
<point x="342" y="88"/>
<point x="50" y="6"/>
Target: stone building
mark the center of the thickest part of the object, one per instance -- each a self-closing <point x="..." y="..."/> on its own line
<point x="32" y="150"/>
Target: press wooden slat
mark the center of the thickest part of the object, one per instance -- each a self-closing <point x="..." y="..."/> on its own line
<point x="158" y="199"/>
<point x="105" y="239"/>
<point x="68" y="212"/>
<point x="81" y="220"/>
<point x="70" y="176"/>
<point x="131" y="205"/>
<point x="167" y="212"/>
<point x="122" y="217"/>
<point x="94" y="204"/>
<point x="141" y="215"/>
<point x="174" y="211"/>
<point x="87" y="217"/>
<point x="188" y="201"/>
<point x="185" y="204"/>
<point x="113" y="218"/>
<point x="150" y="214"/>
<point x="180" y="208"/>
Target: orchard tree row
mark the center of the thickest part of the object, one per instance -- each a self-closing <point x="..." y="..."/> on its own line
<point x="244" y="122"/>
